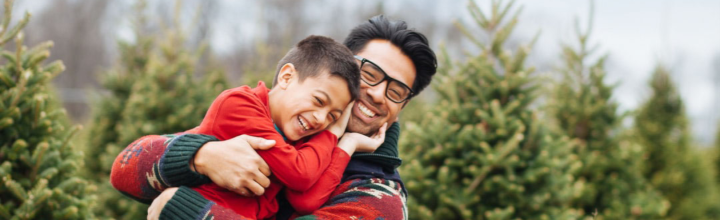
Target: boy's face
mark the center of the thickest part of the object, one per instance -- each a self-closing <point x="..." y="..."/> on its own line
<point x="307" y="107"/>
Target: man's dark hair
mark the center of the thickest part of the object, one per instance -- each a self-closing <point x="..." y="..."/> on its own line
<point x="411" y="43"/>
<point x="315" y="54"/>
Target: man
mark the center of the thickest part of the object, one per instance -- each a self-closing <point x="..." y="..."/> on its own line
<point x="396" y="64"/>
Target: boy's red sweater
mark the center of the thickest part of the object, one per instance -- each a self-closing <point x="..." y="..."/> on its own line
<point x="245" y="110"/>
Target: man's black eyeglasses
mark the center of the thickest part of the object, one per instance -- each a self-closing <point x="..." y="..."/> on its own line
<point x="373" y="75"/>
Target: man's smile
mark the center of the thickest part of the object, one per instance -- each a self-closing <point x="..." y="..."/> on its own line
<point x="366" y="112"/>
<point x="364" y="109"/>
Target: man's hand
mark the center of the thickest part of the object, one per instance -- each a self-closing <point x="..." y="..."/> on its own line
<point x="159" y="203"/>
<point x="233" y="164"/>
<point x="338" y="129"/>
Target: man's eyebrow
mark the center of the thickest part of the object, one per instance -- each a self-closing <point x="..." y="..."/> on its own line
<point x="376" y="67"/>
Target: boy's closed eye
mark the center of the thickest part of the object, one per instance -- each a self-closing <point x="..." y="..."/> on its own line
<point x="320" y="102"/>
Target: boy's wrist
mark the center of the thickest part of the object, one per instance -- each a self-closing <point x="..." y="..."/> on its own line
<point x="348" y="144"/>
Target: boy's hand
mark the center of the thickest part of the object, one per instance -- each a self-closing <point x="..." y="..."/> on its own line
<point x="367" y="144"/>
<point x="338" y="129"/>
<point x="233" y="164"/>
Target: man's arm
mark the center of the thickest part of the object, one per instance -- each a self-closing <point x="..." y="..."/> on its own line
<point x="154" y="162"/>
<point x="185" y="203"/>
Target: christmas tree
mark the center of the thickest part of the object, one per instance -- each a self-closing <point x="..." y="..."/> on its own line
<point x="673" y="166"/>
<point x="717" y="154"/>
<point x="155" y="88"/>
<point x="482" y="153"/>
<point x="40" y="167"/>
<point x="614" y="186"/>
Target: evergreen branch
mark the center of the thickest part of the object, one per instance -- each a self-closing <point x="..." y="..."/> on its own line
<point x="7" y="17"/>
<point x="16" y="29"/>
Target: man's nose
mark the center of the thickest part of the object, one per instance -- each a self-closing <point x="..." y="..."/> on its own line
<point x="377" y="92"/>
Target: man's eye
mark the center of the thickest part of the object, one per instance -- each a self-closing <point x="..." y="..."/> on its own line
<point x="396" y="92"/>
<point x="368" y="75"/>
<point x="333" y="117"/>
<point x="319" y="102"/>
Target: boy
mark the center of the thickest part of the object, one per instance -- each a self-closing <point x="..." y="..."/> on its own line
<point x="314" y="84"/>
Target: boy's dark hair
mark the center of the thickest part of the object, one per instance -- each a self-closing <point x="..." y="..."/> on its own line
<point x="412" y="43"/>
<point x="315" y="54"/>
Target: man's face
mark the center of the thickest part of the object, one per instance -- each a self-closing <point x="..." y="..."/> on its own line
<point x="373" y="108"/>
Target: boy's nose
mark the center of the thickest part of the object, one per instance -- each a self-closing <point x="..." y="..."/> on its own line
<point x="320" y="119"/>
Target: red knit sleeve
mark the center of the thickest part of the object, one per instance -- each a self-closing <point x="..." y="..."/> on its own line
<point x="135" y="171"/>
<point x="308" y="201"/>
<point x="239" y="112"/>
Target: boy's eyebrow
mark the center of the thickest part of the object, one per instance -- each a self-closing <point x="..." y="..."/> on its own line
<point x="327" y="97"/>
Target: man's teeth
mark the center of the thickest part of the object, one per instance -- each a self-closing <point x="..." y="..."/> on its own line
<point x="366" y="111"/>
<point x="302" y="122"/>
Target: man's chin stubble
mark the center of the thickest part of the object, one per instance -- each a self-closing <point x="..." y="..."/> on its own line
<point x="357" y="126"/>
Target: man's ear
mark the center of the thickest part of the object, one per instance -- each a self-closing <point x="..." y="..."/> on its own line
<point x="286" y="76"/>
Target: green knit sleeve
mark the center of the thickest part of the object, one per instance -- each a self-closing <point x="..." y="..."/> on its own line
<point x="185" y="204"/>
<point x="175" y="163"/>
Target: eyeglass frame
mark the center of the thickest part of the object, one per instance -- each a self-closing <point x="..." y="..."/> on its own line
<point x="386" y="77"/>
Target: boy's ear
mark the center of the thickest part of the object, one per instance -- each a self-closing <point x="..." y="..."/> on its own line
<point x="286" y="76"/>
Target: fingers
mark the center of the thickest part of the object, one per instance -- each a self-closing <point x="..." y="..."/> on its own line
<point x="264" y="169"/>
<point x="258" y="143"/>
<point x="347" y="112"/>
<point x="382" y="131"/>
<point x="241" y="190"/>
<point x="262" y="180"/>
<point x="255" y="188"/>
<point x="348" y="109"/>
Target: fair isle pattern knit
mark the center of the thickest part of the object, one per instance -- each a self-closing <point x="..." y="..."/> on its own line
<point x="155" y="162"/>
<point x="372" y="198"/>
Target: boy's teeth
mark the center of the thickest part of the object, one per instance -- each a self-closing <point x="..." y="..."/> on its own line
<point x="365" y="110"/>
<point x="303" y="123"/>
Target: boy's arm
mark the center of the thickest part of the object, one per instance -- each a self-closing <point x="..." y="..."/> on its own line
<point x="154" y="162"/>
<point x="305" y="202"/>
<point x="297" y="167"/>
<point x="372" y="198"/>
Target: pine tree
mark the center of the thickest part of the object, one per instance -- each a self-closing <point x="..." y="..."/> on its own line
<point x="153" y="89"/>
<point x="717" y="153"/>
<point x="40" y="167"/>
<point x="673" y="166"/>
<point x="482" y="153"/>
<point x="611" y="173"/>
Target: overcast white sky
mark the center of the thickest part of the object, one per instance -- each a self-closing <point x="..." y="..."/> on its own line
<point x="685" y="35"/>
<point x="637" y="34"/>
